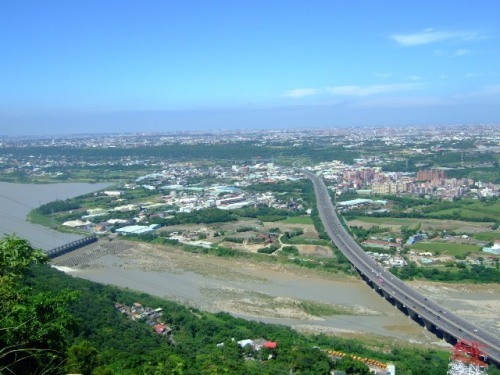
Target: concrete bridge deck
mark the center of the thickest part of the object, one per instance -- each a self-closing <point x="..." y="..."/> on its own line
<point x="442" y="322"/>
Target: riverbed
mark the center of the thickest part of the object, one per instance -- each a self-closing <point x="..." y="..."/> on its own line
<point x="261" y="291"/>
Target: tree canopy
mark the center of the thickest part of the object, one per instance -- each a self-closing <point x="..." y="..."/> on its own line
<point x="33" y="326"/>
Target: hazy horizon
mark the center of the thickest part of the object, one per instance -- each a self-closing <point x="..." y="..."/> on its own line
<point x="157" y="66"/>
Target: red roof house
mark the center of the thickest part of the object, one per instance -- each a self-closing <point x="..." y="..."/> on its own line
<point x="270" y="345"/>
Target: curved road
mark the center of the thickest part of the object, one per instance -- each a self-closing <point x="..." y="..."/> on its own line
<point x="433" y="314"/>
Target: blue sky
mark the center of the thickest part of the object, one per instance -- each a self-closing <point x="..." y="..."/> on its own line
<point x="112" y="66"/>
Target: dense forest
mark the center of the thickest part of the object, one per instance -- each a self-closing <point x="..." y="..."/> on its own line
<point x="53" y="323"/>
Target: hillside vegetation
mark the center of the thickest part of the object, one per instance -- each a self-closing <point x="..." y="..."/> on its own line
<point x="81" y="331"/>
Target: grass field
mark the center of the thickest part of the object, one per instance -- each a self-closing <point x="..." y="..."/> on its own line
<point x="473" y="210"/>
<point x="488" y="236"/>
<point x="39" y="219"/>
<point x="426" y="224"/>
<point x="298" y="220"/>
<point x="452" y="249"/>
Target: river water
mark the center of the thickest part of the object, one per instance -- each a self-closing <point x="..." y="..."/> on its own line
<point x="17" y="200"/>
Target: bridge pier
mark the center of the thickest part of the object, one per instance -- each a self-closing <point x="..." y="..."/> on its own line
<point x="366" y="279"/>
<point x="388" y="297"/>
<point x="439" y="333"/>
<point x="430" y="327"/>
<point x="401" y="307"/>
<point x="414" y="316"/>
<point x="449" y="338"/>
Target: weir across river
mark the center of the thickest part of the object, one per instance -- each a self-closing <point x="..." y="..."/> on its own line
<point x="60" y="250"/>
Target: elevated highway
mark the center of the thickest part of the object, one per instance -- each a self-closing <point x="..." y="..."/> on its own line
<point x="442" y="322"/>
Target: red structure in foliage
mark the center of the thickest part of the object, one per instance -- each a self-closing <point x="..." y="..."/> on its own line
<point x="469" y="352"/>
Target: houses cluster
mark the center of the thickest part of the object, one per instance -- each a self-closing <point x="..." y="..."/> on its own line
<point x="177" y="195"/>
<point x="379" y="146"/>
<point x="258" y="344"/>
<point x="148" y="315"/>
<point x="388" y="260"/>
<point x="429" y="183"/>
<point x="255" y="345"/>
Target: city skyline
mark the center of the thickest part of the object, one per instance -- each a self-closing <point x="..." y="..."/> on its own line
<point x="161" y="66"/>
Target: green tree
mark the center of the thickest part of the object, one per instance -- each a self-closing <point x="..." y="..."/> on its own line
<point x="82" y="358"/>
<point x="352" y="367"/>
<point x="17" y="255"/>
<point x="33" y="326"/>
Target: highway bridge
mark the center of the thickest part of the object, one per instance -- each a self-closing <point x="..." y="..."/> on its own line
<point x="440" y="321"/>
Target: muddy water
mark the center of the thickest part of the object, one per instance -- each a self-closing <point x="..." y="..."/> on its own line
<point x="17" y="200"/>
<point x="191" y="288"/>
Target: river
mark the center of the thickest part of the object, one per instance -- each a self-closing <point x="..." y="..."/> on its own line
<point x="17" y="200"/>
<point x="256" y="291"/>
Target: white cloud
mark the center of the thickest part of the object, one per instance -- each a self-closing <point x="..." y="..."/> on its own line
<point x="432" y="36"/>
<point x="355" y="90"/>
<point x="371" y="89"/>
<point x="300" y="93"/>
<point x="399" y="102"/>
<point x="383" y="75"/>
<point x="415" y="78"/>
<point x="461" y="52"/>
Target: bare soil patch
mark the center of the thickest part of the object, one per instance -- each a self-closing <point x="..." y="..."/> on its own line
<point x="309" y="230"/>
<point x="315" y="250"/>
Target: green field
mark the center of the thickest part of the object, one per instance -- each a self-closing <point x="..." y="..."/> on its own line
<point x="37" y="218"/>
<point x="452" y="249"/>
<point x="465" y="214"/>
<point x="389" y="220"/>
<point x="298" y="220"/>
<point x="487" y="236"/>
<point x="426" y="224"/>
<point x="472" y="210"/>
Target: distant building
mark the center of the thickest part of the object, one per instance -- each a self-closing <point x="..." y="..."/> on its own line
<point x="354" y="202"/>
<point x="112" y="193"/>
<point x="390" y="187"/>
<point x="243" y="343"/>
<point x="495" y="249"/>
<point x="76" y="223"/>
<point x="416" y="238"/>
<point x="425" y="260"/>
<point x="137" y="229"/>
<point x="431" y="175"/>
